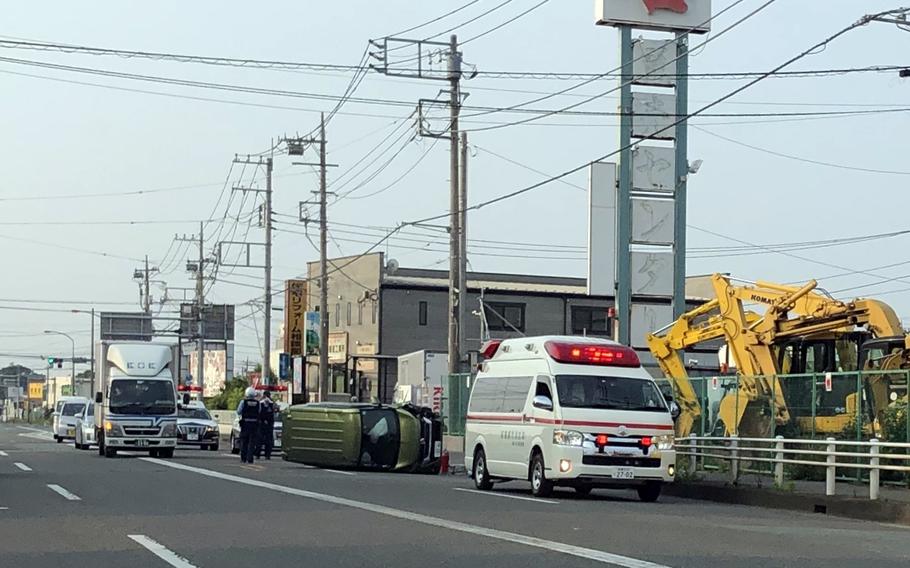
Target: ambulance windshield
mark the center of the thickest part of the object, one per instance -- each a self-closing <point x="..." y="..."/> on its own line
<point x="618" y="393"/>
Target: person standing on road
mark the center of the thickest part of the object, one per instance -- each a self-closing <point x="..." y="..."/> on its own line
<point x="248" y="410"/>
<point x="266" y="426"/>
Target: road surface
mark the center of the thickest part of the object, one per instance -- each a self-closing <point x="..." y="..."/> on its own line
<point x="63" y="507"/>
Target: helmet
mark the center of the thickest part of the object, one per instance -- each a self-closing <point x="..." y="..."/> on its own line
<point x="250" y="392"/>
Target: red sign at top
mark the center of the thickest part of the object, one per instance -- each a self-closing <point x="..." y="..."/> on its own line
<point x="678" y="6"/>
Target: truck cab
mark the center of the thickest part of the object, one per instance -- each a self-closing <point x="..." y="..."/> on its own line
<point x="136" y="408"/>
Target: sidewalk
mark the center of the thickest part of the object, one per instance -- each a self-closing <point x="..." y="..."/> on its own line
<point x="850" y="499"/>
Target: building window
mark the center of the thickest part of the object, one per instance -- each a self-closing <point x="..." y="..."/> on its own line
<point x="590" y="320"/>
<point x="505" y="316"/>
<point x="337" y="315"/>
<point x="349" y="314"/>
<point x="375" y="311"/>
<point x="359" y="313"/>
<point x="422" y="313"/>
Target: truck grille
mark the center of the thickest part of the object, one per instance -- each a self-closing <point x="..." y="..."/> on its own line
<point x="140" y="431"/>
<point x="621" y="461"/>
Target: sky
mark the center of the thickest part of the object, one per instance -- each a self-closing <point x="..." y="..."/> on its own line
<point x="768" y="177"/>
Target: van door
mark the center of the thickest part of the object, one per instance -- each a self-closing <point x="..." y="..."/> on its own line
<point x="514" y="431"/>
<point x="542" y="418"/>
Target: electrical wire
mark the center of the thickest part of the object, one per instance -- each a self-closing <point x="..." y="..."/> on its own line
<point x="436" y="19"/>
<point x="506" y="23"/>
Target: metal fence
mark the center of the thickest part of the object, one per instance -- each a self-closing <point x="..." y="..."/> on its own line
<point x="455" y="403"/>
<point x="818" y="405"/>
<point x="740" y="455"/>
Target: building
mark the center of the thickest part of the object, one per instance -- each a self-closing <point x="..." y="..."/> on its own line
<point x="377" y="312"/>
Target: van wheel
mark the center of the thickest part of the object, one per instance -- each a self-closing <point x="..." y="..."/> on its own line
<point x="59" y="439"/>
<point x="540" y="485"/>
<point x="649" y="492"/>
<point x="481" y="473"/>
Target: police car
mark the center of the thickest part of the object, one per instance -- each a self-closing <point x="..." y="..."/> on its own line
<point x="568" y="411"/>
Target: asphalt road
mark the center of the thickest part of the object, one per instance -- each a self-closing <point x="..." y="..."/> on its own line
<point x="63" y="507"/>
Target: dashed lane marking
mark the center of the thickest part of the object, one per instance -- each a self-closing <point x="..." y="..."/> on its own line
<point x="63" y="492"/>
<point x="22" y="466"/>
<point x="507" y="496"/>
<point x="161" y="551"/>
<point x="553" y="546"/>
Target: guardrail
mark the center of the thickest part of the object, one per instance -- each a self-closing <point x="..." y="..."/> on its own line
<point x="780" y="451"/>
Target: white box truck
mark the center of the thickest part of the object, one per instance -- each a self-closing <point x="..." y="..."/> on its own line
<point x="426" y="370"/>
<point x="136" y="404"/>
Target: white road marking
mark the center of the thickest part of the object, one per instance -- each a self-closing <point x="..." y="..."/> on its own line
<point x="22" y="466"/>
<point x="342" y="472"/>
<point x="42" y="430"/>
<point x="4" y="508"/>
<point x="66" y="494"/>
<point x="553" y="546"/>
<point x="161" y="551"/>
<point x="3" y="454"/>
<point x="506" y="495"/>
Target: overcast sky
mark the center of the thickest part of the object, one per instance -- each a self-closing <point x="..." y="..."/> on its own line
<point x="59" y="138"/>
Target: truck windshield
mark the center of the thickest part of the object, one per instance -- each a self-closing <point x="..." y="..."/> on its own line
<point x="618" y="393"/>
<point x="142" y="397"/>
<point x="72" y="408"/>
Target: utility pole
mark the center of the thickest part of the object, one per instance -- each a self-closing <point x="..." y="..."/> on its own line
<point x="142" y="275"/>
<point x="454" y="70"/>
<point x="267" y="328"/>
<point x="92" y="355"/>
<point x="463" y="253"/>
<point x="200" y="307"/>
<point x="323" y="270"/>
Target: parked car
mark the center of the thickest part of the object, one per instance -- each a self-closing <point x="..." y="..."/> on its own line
<point x="363" y="436"/>
<point x="64" y="417"/>
<point x="235" y="429"/>
<point x="196" y="427"/>
<point x="85" y="428"/>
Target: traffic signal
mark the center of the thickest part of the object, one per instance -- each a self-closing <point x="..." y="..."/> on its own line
<point x="59" y="363"/>
<point x="51" y="361"/>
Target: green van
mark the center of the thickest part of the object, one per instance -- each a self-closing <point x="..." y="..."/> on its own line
<point x="363" y="436"/>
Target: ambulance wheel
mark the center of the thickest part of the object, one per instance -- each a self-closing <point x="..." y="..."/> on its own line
<point x="481" y="473"/>
<point x="649" y="492"/>
<point x="540" y="485"/>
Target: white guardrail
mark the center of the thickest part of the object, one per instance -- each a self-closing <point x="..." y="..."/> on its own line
<point x="781" y="451"/>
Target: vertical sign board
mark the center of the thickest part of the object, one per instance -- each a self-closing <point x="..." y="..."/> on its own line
<point x="338" y="347"/>
<point x="298" y="375"/>
<point x="312" y="333"/>
<point x="602" y="229"/>
<point x="295" y="314"/>
<point x="663" y="15"/>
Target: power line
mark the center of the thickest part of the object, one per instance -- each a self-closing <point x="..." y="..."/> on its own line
<point x="506" y="23"/>
<point x="73" y="249"/>
<point x="437" y="18"/>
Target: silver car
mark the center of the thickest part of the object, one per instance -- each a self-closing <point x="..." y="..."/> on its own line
<point x="85" y="428"/>
<point x="64" y="417"/>
<point x="196" y="427"/>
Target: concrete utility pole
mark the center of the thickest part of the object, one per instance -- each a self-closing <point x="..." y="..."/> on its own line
<point x="143" y="274"/>
<point x="323" y="271"/>
<point x="463" y="253"/>
<point x="454" y="72"/>
<point x="267" y="223"/>
<point x="200" y="307"/>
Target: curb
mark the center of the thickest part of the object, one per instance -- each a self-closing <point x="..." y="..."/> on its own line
<point x="838" y="506"/>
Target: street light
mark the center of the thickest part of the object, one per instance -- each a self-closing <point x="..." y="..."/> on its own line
<point x="72" y="359"/>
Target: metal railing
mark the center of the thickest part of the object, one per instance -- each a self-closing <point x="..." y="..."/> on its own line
<point x="779" y="451"/>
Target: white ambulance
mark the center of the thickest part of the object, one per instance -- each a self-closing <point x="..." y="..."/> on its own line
<point x="568" y="411"/>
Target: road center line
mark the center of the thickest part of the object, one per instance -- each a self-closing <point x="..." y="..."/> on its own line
<point x="66" y="494"/>
<point x="42" y="436"/>
<point x="22" y="466"/>
<point x="507" y="496"/>
<point x="3" y="454"/>
<point x="161" y="551"/>
<point x="553" y="546"/>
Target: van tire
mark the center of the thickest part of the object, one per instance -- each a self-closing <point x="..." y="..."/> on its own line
<point x="59" y="439"/>
<point x="481" y="474"/>
<point x="540" y="485"/>
<point x="649" y="492"/>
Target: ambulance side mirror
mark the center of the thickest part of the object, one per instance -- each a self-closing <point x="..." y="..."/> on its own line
<point x="674" y="409"/>
<point x="543" y="402"/>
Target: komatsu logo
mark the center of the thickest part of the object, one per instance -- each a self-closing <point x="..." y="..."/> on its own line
<point x="678" y="6"/>
<point x="141" y="365"/>
<point x="762" y="299"/>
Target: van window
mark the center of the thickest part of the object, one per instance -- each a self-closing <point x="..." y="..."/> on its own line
<point x="543" y="389"/>
<point x="516" y="394"/>
<point x="620" y="393"/>
<point x="500" y="394"/>
<point x="72" y="408"/>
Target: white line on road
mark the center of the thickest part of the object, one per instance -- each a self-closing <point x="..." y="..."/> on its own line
<point x="339" y="471"/>
<point x="66" y="494"/>
<point x="42" y="430"/>
<point x="3" y="454"/>
<point x="506" y="495"/>
<point x="553" y="546"/>
<point x="161" y="551"/>
<point x="22" y="466"/>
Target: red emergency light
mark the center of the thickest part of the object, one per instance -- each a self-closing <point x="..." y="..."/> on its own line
<point x="490" y="347"/>
<point x="592" y="354"/>
<point x="189" y="388"/>
<point x="601" y="440"/>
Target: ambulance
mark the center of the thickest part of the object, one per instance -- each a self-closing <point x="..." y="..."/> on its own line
<point x="579" y="412"/>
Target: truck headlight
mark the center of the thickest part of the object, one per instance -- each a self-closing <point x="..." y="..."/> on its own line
<point x="568" y="438"/>
<point x="664" y="441"/>
<point x="169" y="430"/>
<point x="112" y="429"/>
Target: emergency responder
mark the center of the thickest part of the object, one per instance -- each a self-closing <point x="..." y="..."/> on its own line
<point x="267" y="411"/>
<point x="248" y="411"/>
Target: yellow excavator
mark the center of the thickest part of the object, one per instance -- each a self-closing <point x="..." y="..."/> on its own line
<point x="798" y="325"/>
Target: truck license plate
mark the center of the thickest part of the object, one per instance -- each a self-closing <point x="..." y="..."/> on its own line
<point x="624" y="473"/>
<point x="277" y="443"/>
<point x="142" y="443"/>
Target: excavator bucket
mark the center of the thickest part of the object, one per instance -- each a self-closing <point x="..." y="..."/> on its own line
<point x="745" y="417"/>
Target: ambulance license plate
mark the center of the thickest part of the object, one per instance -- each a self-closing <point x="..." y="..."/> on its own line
<point x="624" y="473"/>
